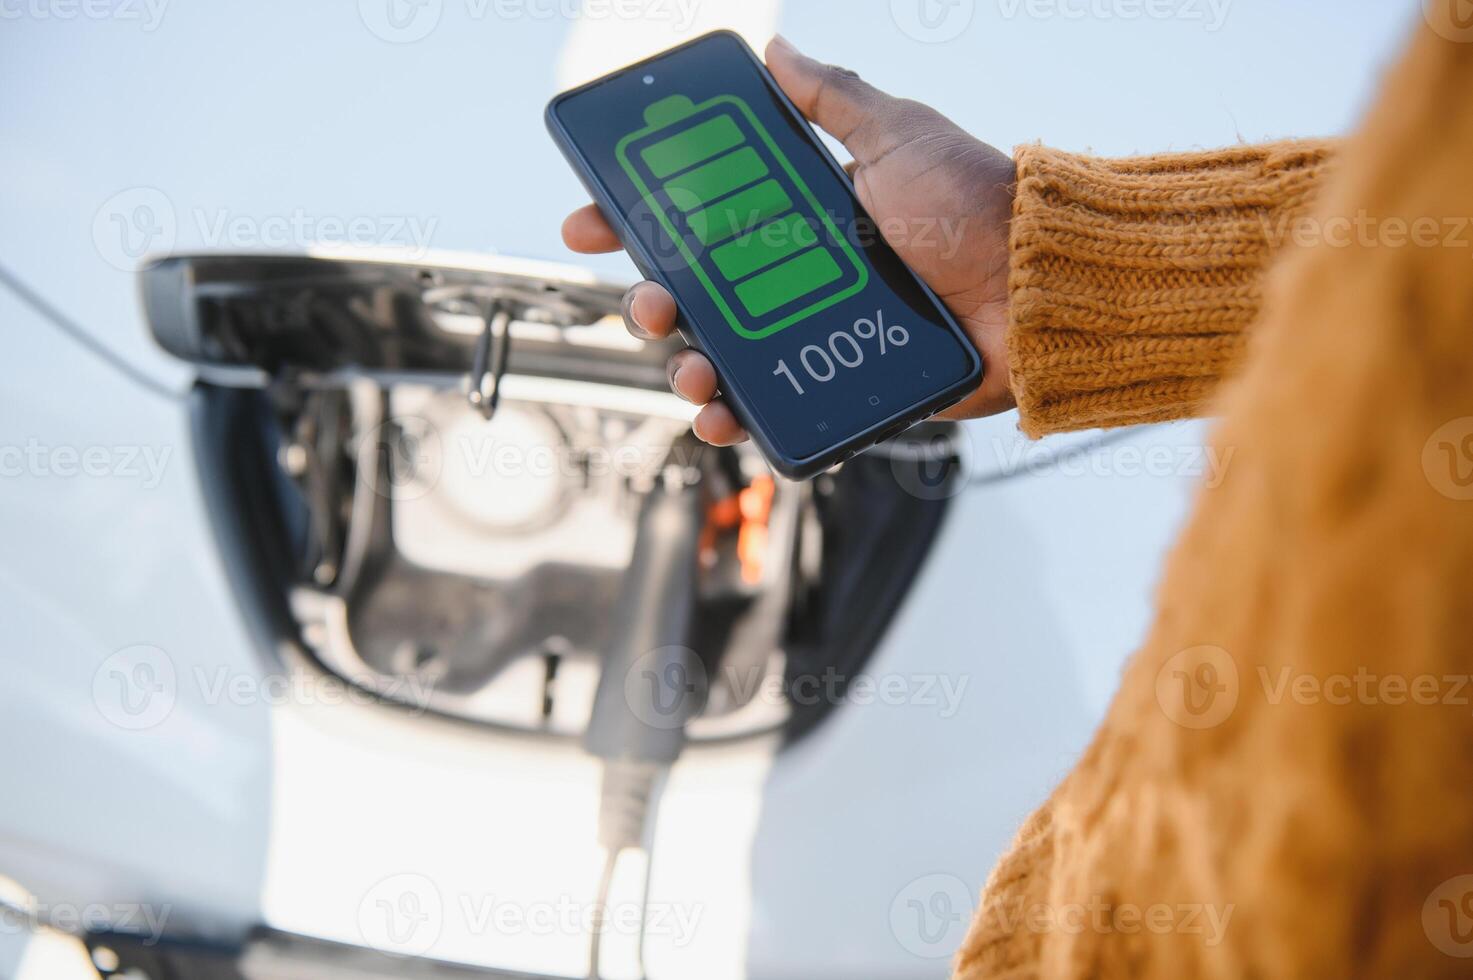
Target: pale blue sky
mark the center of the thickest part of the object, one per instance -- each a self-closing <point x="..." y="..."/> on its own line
<point x="275" y="108"/>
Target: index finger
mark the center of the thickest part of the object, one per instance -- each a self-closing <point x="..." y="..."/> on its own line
<point x="587" y="230"/>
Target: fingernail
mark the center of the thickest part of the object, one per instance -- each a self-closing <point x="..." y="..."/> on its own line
<point x="784" y="43"/>
<point x="635" y="327"/>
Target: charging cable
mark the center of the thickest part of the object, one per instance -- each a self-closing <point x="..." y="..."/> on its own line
<point x="651" y="682"/>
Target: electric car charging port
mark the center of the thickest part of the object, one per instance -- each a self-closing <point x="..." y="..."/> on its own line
<point x="476" y="567"/>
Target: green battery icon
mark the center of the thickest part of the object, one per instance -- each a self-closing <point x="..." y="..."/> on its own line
<point x="743" y="220"/>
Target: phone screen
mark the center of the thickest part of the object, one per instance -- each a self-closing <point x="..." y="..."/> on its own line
<point x="816" y="327"/>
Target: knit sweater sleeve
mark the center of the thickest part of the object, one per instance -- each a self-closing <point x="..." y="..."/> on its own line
<point x="1327" y="835"/>
<point x="1132" y="281"/>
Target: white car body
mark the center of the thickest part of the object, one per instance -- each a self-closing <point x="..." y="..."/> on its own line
<point x="858" y="852"/>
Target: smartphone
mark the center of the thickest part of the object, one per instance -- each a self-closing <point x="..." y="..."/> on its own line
<point x="824" y="342"/>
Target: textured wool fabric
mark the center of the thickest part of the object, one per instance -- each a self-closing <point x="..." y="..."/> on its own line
<point x="1290" y="754"/>
<point x="1132" y="281"/>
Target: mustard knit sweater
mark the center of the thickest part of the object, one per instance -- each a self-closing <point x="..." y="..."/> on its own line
<point x="1290" y="754"/>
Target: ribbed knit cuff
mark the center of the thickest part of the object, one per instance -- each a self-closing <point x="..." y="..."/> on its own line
<point x="1132" y="280"/>
<point x="999" y="944"/>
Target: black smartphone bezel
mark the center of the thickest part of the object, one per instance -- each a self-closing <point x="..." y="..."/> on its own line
<point x="794" y="468"/>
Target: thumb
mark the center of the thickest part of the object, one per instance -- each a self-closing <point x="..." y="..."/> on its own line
<point x="850" y="109"/>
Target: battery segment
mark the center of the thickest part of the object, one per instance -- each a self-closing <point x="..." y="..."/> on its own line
<point x="742" y="219"/>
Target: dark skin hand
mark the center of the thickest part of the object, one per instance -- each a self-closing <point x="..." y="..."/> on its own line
<point x="913" y="169"/>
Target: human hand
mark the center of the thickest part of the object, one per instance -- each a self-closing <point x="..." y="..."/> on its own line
<point x="913" y="169"/>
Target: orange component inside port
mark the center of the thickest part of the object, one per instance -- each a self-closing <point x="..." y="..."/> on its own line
<point x="748" y="511"/>
<point x="756" y="507"/>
